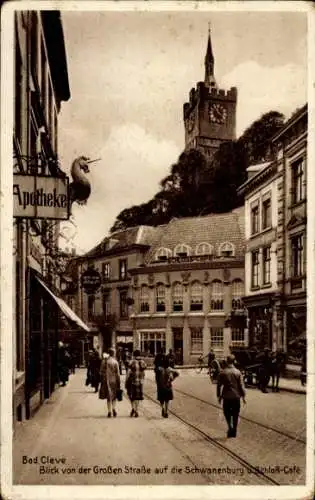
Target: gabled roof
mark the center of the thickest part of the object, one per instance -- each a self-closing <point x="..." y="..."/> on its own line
<point x="138" y="235"/>
<point x="214" y="229"/>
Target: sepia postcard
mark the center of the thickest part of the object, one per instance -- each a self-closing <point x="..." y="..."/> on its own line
<point x="157" y="250"/>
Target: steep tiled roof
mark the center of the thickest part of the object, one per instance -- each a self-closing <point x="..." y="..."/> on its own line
<point x="138" y="235"/>
<point x="214" y="229"/>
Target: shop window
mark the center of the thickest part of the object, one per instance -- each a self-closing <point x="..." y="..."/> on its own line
<point x="237" y="294"/>
<point x="123" y="269"/>
<point x="144" y="299"/>
<point x="298" y="181"/>
<point x="266" y="265"/>
<point x="217" y="296"/>
<point x="160" y="298"/>
<point x="254" y="216"/>
<point x="237" y="337"/>
<point x="123" y="303"/>
<point x="178" y="295"/>
<point x="196" y="341"/>
<point x="255" y="269"/>
<point x="216" y="335"/>
<point x="266" y="213"/>
<point x="196" y="297"/>
<point x="152" y="342"/>
<point x="106" y="271"/>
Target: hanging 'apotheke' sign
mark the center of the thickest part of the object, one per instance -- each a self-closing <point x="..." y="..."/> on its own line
<point x="40" y="197"/>
<point x="91" y="281"/>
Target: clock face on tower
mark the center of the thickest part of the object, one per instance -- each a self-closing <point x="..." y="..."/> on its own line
<point x="217" y="113"/>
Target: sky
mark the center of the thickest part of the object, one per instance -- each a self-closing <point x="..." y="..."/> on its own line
<point x="130" y="74"/>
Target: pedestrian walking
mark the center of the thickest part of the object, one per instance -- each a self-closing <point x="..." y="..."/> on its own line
<point x="119" y="359"/>
<point x="230" y="389"/>
<point x="93" y="370"/>
<point x="165" y="376"/>
<point x="62" y="364"/>
<point x="134" y="382"/>
<point x="110" y="382"/>
<point x="265" y="369"/>
<point x="158" y="361"/>
<point x="171" y="358"/>
<point x="125" y="357"/>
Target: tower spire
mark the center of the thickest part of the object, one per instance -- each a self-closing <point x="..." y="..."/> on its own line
<point x="209" y="63"/>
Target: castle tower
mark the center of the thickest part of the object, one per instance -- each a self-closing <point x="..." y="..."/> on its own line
<point x="210" y="114"/>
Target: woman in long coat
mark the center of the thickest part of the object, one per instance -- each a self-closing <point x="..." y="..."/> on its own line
<point x="164" y="379"/>
<point x="110" y="382"/>
<point x="134" y="382"/>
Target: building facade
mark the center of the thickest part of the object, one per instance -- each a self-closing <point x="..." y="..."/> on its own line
<point x="291" y="159"/>
<point x="176" y="286"/>
<point x="210" y="114"/>
<point x="41" y="84"/>
<point x="275" y="229"/>
<point x="261" y="279"/>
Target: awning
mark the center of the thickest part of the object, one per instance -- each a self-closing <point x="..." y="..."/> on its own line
<point x="65" y="309"/>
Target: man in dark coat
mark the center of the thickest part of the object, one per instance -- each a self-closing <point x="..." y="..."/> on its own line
<point x="231" y="389"/>
<point x="63" y="364"/>
<point x="93" y="370"/>
<point x="265" y="370"/>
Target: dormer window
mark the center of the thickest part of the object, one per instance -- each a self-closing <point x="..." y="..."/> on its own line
<point x="182" y="250"/>
<point x="204" y="249"/>
<point x="227" y="250"/>
<point x="163" y="254"/>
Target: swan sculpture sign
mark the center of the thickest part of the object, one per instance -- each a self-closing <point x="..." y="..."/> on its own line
<point x="49" y="197"/>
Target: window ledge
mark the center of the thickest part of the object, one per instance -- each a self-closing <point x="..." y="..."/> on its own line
<point x="216" y="313"/>
<point x="254" y="288"/>
<point x="177" y="313"/>
<point x="267" y="285"/>
<point x="260" y="233"/>
<point x="196" y="313"/>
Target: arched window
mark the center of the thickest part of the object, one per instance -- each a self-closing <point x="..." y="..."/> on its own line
<point x="163" y="254"/>
<point x="178" y="294"/>
<point x="144" y="299"/>
<point x="226" y="250"/>
<point x="196" y="297"/>
<point x="204" y="249"/>
<point x="182" y="250"/>
<point x="160" y="297"/>
<point x="237" y="294"/>
<point x="217" y="296"/>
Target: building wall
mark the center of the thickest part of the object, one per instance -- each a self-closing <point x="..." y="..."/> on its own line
<point x="263" y="238"/>
<point x="170" y="324"/>
<point x="35" y="103"/>
<point x="291" y="146"/>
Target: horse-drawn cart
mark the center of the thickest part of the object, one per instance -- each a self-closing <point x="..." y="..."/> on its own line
<point x="249" y="362"/>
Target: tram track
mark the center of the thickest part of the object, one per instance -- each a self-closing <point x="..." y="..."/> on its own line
<point x="254" y="471"/>
<point x="246" y="419"/>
